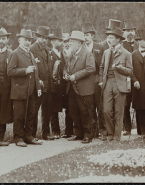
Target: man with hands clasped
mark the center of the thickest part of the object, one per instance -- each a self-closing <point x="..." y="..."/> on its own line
<point x="25" y="87"/>
<point x="138" y="80"/>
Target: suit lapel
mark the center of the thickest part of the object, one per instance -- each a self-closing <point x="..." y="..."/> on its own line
<point x="139" y="56"/>
<point x="38" y="51"/>
<point x="74" y="60"/>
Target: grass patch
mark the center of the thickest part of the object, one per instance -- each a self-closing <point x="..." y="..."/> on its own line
<point x="74" y="164"/>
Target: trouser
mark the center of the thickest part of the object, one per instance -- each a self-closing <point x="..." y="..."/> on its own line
<point x="83" y="121"/>
<point x="22" y="130"/>
<point x="137" y="123"/>
<point x="141" y="121"/>
<point x="2" y="131"/>
<point x="127" y="119"/>
<point x="114" y="102"/>
<point x="40" y="101"/>
<point x="99" y="106"/>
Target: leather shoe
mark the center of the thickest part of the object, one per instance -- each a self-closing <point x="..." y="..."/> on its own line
<point x="50" y="138"/>
<point x="66" y="136"/>
<point x="2" y="143"/>
<point x="21" y="143"/>
<point x="74" y="138"/>
<point x="56" y="137"/>
<point x="126" y="133"/>
<point x="34" y="142"/>
<point x="86" y="140"/>
<point x="104" y="138"/>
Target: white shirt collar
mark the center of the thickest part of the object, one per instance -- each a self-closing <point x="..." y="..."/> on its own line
<point x="3" y="49"/>
<point x="78" y="51"/>
<point x="24" y="49"/>
<point x="58" y="53"/>
<point x="90" y="46"/>
<point x="140" y="49"/>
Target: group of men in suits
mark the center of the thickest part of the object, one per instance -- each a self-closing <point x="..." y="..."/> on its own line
<point x="92" y="81"/>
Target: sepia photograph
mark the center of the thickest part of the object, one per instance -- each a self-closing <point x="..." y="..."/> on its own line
<point x="72" y="92"/>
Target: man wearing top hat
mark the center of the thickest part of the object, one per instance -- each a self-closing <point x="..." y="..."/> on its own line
<point x="56" y="83"/>
<point x="41" y="54"/>
<point x="6" y="106"/>
<point x="138" y="80"/>
<point x="80" y="88"/>
<point x="112" y="24"/>
<point x="96" y="49"/>
<point x="115" y="68"/>
<point x="25" y="87"/>
<point x="131" y="45"/>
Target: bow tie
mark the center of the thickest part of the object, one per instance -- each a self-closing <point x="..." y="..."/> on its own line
<point x="142" y="51"/>
<point x="131" y="42"/>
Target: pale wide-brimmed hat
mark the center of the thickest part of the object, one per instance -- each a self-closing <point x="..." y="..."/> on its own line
<point x="3" y="32"/>
<point x="77" y="35"/>
<point x="25" y="33"/>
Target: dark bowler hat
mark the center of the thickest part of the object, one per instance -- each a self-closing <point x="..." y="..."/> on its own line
<point x="128" y="25"/>
<point x="57" y="33"/>
<point x="87" y="27"/>
<point x="26" y="34"/>
<point x="43" y="31"/>
<point x="3" y="32"/>
<point x="140" y="33"/>
<point x="113" y="23"/>
<point x="116" y="31"/>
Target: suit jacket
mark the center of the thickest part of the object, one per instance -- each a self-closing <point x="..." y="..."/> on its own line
<point x="122" y="57"/>
<point x="83" y="68"/>
<point x="19" y="61"/>
<point x="6" y="106"/>
<point x="126" y="45"/>
<point x="138" y="96"/>
<point x="42" y="65"/>
<point x="104" y="45"/>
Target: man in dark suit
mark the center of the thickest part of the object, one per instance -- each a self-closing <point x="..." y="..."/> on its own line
<point x="97" y="50"/>
<point x="56" y="83"/>
<point x="138" y="80"/>
<point x="115" y="67"/>
<point x="112" y="24"/>
<point x="25" y="87"/>
<point x="130" y="45"/>
<point x="41" y="54"/>
<point x="80" y="88"/>
<point x="6" y="106"/>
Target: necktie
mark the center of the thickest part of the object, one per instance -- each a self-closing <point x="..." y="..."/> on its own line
<point x="131" y="42"/>
<point x="142" y="51"/>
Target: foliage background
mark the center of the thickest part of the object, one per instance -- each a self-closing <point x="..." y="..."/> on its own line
<point x="69" y="15"/>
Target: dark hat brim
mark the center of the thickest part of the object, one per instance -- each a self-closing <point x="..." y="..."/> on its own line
<point x="90" y="31"/>
<point x="7" y="34"/>
<point x="59" y="38"/>
<point x="138" y="38"/>
<point x="19" y="35"/>
<point x="113" y="33"/>
<point x="128" y="28"/>
<point x="48" y="36"/>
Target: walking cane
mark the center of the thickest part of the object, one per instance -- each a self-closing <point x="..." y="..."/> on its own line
<point x="84" y="102"/>
<point x="27" y="99"/>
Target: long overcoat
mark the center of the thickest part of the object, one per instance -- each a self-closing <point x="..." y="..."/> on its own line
<point x="6" y="107"/>
<point x="138" y="96"/>
<point x="56" y="92"/>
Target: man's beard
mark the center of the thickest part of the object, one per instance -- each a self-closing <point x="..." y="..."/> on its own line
<point x="2" y="45"/>
<point x="130" y="37"/>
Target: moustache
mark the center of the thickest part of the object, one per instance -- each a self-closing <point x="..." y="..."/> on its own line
<point x="2" y="45"/>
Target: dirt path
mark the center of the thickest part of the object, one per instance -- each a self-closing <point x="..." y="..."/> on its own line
<point x="13" y="157"/>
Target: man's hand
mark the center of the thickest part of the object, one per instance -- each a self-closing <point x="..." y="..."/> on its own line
<point x="101" y="84"/>
<point x="137" y="85"/>
<point x="72" y="78"/>
<point x="41" y="83"/>
<point x="39" y="93"/>
<point x="114" y="66"/>
<point x="30" y="69"/>
<point x="67" y="77"/>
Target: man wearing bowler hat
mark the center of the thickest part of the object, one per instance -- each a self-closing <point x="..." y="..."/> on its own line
<point x="112" y="24"/>
<point x="80" y="88"/>
<point x="25" y="87"/>
<point x="56" y="83"/>
<point x="131" y="45"/>
<point x="41" y="54"/>
<point x="138" y="81"/>
<point x="6" y="106"/>
<point x="96" y="49"/>
<point x="115" y="68"/>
